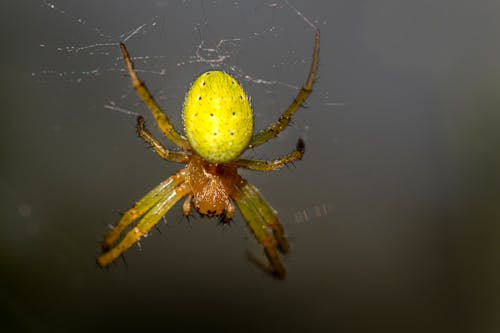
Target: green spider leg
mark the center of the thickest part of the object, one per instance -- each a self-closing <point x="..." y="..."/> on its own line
<point x="268" y="165"/>
<point x="164" y="153"/>
<point x="263" y="222"/>
<point x="283" y="121"/>
<point x="160" y="117"/>
<point x="153" y="206"/>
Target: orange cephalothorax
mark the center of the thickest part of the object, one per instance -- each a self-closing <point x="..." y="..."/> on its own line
<point x="211" y="185"/>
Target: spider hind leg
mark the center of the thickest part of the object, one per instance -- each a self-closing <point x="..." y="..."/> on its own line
<point x="283" y="121"/>
<point x="142" y="91"/>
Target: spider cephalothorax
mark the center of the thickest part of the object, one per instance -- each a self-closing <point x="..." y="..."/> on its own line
<point x="218" y="124"/>
<point x="212" y="186"/>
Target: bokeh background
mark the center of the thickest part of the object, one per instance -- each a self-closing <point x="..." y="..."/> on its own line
<point x="393" y="215"/>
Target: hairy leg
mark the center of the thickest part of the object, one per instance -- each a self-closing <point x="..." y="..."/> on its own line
<point x="269" y="216"/>
<point x="261" y="219"/>
<point x="141" y="207"/>
<point x="153" y="215"/>
<point x="172" y="156"/>
<point x="268" y="165"/>
<point x="301" y="97"/>
<point x="143" y="92"/>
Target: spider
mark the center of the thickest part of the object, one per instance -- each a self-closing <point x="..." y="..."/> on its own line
<point x="218" y="124"/>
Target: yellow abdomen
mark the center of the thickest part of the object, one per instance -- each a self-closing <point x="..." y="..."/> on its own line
<point x="218" y="118"/>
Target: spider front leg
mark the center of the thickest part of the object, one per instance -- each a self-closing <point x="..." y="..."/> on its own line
<point x="268" y="165"/>
<point x="153" y="206"/>
<point x="164" y="153"/>
<point x="143" y="92"/>
<point x="261" y="219"/>
<point x="301" y="97"/>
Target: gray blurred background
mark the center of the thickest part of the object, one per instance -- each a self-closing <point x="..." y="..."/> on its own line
<point x="393" y="215"/>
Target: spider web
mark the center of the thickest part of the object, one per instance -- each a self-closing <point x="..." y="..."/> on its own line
<point x="268" y="28"/>
<point x="262" y="54"/>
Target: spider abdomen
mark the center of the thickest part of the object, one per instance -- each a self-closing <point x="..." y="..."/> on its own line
<point x="218" y="118"/>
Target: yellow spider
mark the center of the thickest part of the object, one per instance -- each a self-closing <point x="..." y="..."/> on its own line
<point x="218" y="123"/>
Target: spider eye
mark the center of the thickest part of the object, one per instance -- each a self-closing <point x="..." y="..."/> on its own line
<point x="224" y="125"/>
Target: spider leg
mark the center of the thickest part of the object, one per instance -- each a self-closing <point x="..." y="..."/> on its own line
<point x="261" y="219"/>
<point x="301" y="97"/>
<point x="153" y="206"/>
<point x="268" y="165"/>
<point x="145" y="224"/>
<point x="173" y="156"/>
<point x="141" y="207"/>
<point x="143" y="92"/>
